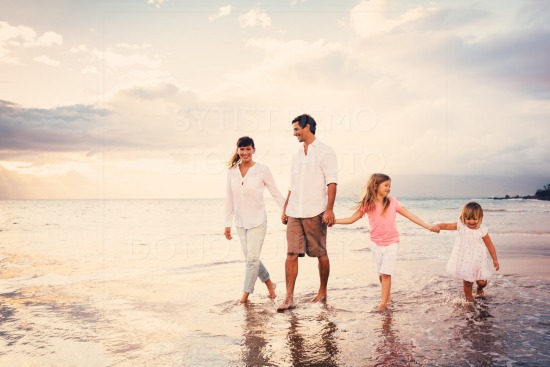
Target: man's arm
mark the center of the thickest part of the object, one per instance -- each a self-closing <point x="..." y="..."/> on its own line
<point x="328" y="217"/>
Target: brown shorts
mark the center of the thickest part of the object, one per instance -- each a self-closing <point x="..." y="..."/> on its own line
<point x="307" y="236"/>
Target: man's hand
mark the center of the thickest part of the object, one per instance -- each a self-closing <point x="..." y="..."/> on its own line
<point x="328" y="217"/>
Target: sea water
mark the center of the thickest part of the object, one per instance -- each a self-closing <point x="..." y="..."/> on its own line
<point x="155" y="283"/>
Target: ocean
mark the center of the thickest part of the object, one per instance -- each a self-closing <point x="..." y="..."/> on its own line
<point x="155" y="283"/>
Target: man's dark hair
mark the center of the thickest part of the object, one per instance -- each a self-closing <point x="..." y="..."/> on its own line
<point x="304" y="120"/>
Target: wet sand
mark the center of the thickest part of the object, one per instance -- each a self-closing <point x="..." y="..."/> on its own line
<point x="190" y="317"/>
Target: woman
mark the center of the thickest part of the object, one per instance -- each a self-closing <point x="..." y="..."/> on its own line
<point x="246" y="180"/>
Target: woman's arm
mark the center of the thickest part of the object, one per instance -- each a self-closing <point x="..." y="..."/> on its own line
<point x="271" y="186"/>
<point x="492" y="251"/>
<point x="354" y="217"/>
<point x="416" y="220"/>
<point x="229" y="208"/>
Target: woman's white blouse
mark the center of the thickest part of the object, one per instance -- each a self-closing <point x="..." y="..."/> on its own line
<point x="244" y="199"/>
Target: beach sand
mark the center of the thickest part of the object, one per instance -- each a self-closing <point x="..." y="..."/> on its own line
<point x="65" y="315"/>
<point x="144" y="305"/>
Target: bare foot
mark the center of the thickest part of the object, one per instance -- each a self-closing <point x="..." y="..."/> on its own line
<point x="381" y="307"/>
<point x="287" y="305"/>
<point x="271" y="286"/>
<point x="321" y="297"/>
<point x="244" y="298"/>
<point x="480" y="294"/>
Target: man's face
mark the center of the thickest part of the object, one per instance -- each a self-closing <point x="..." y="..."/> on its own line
<point x="299" y="132"/>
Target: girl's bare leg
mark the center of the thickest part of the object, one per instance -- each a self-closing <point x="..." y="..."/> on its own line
<point x="385" y="280"/>
<point x="480" y="285"/>
<point x="468" y="290"/>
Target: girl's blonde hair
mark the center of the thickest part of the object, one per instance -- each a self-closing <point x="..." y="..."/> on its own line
<point x="243" y="141"/>
<point x="368" y="199"/>
<point x="472" y="210"/>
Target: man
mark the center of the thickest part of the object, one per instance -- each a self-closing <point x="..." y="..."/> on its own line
<point x="309" y="206"/>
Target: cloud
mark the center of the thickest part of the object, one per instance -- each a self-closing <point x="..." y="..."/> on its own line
<point x="156" y="3"/>
<point x="46" y="60"/>
<point x="79" y="48"/>
<point x="62" y="129"/>
<point x="296" y="2"/>
<point x="12" y="37"/>
<point x="256" y="17"/>
<point x="371" y="17"/>
<point x="222" y="12"/>
<point x="518" y="58"/>
<point x="49" y="39"/>
<point x="134" y="46"/>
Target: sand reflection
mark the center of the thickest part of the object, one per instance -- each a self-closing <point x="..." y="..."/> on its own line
<point x="312" y="342"/>
<point x="391" y="351"/>
<point x="479" y="340"/>
<point x="256" y="349"/>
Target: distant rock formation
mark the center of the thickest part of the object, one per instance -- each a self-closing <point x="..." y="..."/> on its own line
<point x="541" y="194"/>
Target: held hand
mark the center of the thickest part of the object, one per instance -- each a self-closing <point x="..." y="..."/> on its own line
<point x="227" y="233"/>
<point x="496" y="265"/>
<point x="328" y="217"/>
<point x="435" y="229"/>
<point x="284" y="218"/>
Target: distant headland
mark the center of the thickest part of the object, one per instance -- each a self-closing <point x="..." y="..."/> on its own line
<point x="541" y="194"/>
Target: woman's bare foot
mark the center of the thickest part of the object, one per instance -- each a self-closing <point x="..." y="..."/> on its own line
<point x="271" y="286"/>
<point x="244" y="298"/>
<point x="381" y="307"/>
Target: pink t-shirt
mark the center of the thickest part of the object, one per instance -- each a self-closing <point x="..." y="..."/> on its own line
<point x="383" y="228"/>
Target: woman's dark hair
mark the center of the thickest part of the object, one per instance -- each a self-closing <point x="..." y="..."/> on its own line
<point x="304" y="120"/>
<point x="243" y="141"/>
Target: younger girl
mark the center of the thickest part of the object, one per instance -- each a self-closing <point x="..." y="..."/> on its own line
<point x="469" y="260"/>
<point x="381" y="210"/>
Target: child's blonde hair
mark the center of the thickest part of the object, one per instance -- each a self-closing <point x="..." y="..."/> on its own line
<point x="368" y="199"/>
<point x="472" y="210"/>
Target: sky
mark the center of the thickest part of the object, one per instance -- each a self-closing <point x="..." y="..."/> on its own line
<point x="147" y="98"/>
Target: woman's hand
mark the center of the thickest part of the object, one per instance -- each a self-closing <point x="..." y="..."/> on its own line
<point x="227" y="233"/>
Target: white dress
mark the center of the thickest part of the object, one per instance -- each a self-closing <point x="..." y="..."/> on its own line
<point x="469" y="259"/>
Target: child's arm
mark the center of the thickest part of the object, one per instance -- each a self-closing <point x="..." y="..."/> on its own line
<point x="413" y="218"/>
<point x="492" y="251"/>
<point x="447" y="226"/>
<point x="354" y="217"/>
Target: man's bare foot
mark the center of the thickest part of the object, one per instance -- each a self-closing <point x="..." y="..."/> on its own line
<point x="321" y="297"/>
<point x="287" y="305"/>
<point x="271" y="286"/>
<point x="480" y="294"/>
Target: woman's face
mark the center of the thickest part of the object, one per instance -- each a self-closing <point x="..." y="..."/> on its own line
<point x="245" y="153"/>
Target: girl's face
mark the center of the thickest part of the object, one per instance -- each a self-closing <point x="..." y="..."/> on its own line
<point x="245" y="153"/>
<point x="472" y="223"/>
<point x="383" y="189"/>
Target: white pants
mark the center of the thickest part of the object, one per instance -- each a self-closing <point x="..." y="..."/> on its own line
<point x="252" y="240"/>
